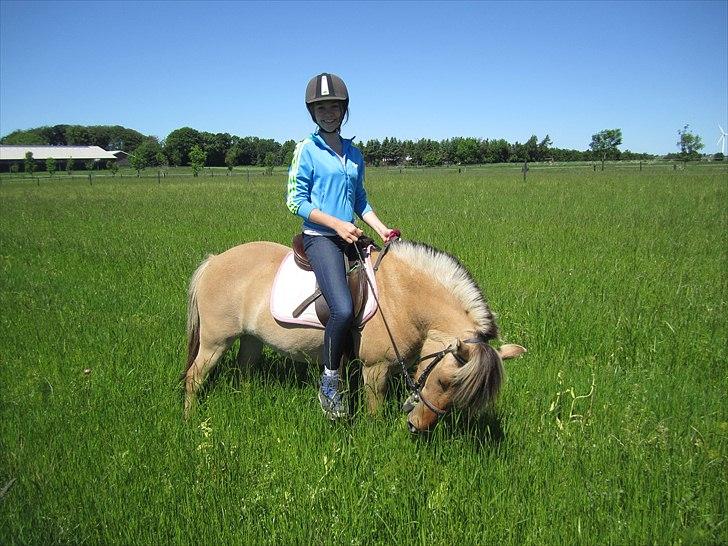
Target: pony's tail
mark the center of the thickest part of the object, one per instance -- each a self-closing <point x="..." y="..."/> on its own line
<point x="193" y="316"/>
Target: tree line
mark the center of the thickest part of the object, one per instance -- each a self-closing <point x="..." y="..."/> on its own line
<point x="471" y="151"/>
<point x="226" y="150"/>
<point x="108" y="137"/>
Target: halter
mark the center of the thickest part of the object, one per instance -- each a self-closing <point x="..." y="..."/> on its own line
<point x="415" y="387"/>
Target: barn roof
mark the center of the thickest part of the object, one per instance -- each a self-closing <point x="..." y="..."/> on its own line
<point x="14" y="153"/>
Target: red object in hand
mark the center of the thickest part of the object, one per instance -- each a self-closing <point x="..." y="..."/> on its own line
<point x="393" y="234"/>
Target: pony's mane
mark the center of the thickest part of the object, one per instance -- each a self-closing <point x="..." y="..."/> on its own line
<point x="450" y="273"/>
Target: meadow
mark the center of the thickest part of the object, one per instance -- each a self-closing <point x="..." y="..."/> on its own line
<point x="612" y="429"/>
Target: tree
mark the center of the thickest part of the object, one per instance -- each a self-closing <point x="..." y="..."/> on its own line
<point x="426" y="152"/>
<point x="51" y="166"/>
<point x="69" y="166"/>
<point x="448" y="148"/>
<point x="231" y="159"/>
<point x="109" y="137"/>
<point x="216" y="146"/>
<point x="197" y="159"/>
<point x="372" y="152"/>
<point x="89" y="165"/>
<point x="245" y="151"/>
<point x="78" y="135"/>
<point x="161" y="161"/>
<point x="31" y="136"/>
<point x="264" y="147"/>
<point x="29" y="163"/>
<point x="689" y="144"/>
<point x="56" y="135"/>
<point x="287" y="150"/>
<point x="138" y="163"/>
<point x="605" y="143"/>
<point x="516" y="153"/>
<point x="544" y="149"/>
<point x="121" y="138"/>
<point x="530" y="149"/>
<point x="178" y="144"/>
<point x="145" y="155"/>
<point x="432" y="157"/>
<point x="467" y="151"/>
<point x="499" y="150"/>
<point x="391" y="151"/>
<point x="269" y="162"/>
<point x="112" y="166"/>
<point x="148" y="152"/>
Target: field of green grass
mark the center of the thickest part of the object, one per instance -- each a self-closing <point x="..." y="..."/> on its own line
<point x="613" y="429"/>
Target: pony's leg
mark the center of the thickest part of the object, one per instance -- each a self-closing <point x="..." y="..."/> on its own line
<point x="375" y="385"/>
<point x="208" y="355"/>
<point x="248" y="354"/>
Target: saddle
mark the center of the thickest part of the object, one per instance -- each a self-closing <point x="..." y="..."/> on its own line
<point x="355" y="273"/>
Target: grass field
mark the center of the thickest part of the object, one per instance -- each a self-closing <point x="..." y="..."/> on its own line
<point x="613" y="429"/>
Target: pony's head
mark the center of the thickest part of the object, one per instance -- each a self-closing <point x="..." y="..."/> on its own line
<point x="470" y="371"/>
<point x="467" y="377"/>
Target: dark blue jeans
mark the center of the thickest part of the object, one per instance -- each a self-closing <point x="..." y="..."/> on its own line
<point x="326" y="255"/>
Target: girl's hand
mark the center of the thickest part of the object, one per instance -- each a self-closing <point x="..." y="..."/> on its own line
<point x="388" y="234"/>
<point x="348" y="231"/>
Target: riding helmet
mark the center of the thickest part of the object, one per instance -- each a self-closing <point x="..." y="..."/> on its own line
<point x="326" y="87"/>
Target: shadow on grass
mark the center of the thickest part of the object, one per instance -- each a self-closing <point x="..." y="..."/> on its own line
<point x="482" y="431"/>
<point x="270" y="369"/>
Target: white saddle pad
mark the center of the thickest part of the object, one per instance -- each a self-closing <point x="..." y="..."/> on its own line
<point x="292" y="285"/>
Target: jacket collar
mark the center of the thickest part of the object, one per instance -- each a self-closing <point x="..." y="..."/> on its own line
<point x="345" y="142"/>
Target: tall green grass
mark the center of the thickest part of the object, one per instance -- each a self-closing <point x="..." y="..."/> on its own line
<point x="613" y="429"/>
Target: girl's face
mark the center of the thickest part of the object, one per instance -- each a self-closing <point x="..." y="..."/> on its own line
<point x="328" y="115"/>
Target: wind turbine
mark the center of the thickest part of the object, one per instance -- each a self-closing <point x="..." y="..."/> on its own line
<point x="721" y="140"/>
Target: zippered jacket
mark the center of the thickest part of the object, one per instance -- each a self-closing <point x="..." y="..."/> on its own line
<point x="319" y="179"/>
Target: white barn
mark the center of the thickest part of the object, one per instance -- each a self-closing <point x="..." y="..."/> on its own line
<point x="10" y="154"/>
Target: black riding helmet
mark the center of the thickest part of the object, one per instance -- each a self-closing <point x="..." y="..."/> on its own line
<point x="326" y="87"/>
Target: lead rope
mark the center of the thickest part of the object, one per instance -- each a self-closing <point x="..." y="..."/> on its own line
<point x="410" y="383"/>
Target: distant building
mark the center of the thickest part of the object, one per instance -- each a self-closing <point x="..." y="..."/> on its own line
<point x="62" y="154"/>
<point x="122" y="158"/>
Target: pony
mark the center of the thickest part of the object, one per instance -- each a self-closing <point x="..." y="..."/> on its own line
<point x="429" y="304"/>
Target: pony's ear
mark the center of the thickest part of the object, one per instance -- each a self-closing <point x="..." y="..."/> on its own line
<point x="510" y="350"/>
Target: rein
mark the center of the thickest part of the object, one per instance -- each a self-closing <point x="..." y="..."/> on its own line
<point x="415" y="387"/>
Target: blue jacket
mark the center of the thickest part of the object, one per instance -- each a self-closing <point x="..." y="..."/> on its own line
<point x="317" y="179"/>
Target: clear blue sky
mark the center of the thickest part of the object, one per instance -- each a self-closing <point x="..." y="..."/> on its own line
<point x="414" y="69"/>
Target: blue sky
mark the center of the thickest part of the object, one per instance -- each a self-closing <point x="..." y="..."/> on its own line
<point x="414" y="69"/>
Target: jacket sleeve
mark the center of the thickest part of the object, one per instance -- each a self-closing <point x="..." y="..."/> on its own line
<point x="300" y="178"/>
<point x="361" y="205"/>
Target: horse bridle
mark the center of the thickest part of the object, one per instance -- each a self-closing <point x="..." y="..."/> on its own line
<point x="416" y="387"/>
